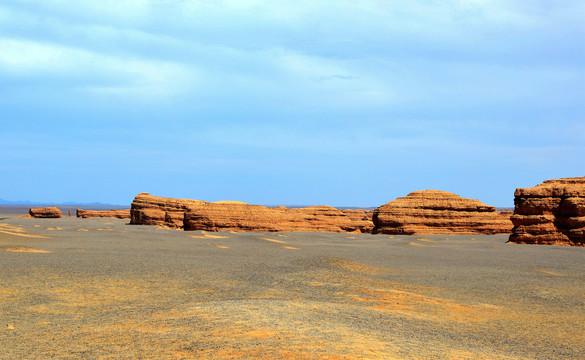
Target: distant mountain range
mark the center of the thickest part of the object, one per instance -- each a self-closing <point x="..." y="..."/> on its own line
<point x="8" y="202"/>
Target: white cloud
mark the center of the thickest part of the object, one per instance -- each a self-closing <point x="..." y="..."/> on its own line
<point x="94" y="72"/>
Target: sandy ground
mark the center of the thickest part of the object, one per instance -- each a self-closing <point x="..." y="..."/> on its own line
<point x="101" y="289"/>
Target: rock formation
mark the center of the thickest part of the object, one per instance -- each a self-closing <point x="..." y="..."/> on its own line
<point x="244" y="217"/>
<point x="550" y="213"/>
<point x="47" y="212"/>
<point x="120" y="214"/>
<point x="238" y="216"/>
<point x="439" y="212"/>
<point x="153" y="210"/>
<point x="362" y="219"/>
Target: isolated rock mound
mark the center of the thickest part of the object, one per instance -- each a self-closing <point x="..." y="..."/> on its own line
<point x="550" y="213"/>
<point x="431" y="212"/>
<point x="238" y="216"/>
<point x="119" y="214"/>
<point x="47" y="212"/>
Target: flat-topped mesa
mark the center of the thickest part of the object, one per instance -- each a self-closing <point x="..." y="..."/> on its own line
<point x="119" y="214"/>
<point x="238" y="216"/>
<point x="244" y="217"/>
<point x="154" y="210"/>
<point x="551" y="213"/>
<point x="437" y="212"/>
<point x="47" y="212"/>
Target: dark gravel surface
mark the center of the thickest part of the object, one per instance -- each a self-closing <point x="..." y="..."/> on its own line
<point x="101" y="289"/>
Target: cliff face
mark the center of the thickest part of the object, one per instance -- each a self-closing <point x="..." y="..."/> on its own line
<point x="153" y="210"/>
<point x="244" y="217"/>
<point x="48" y="212"/>
<point x="431" y="212"/>
<point x="238" y="216"/>
<point x="550" y="213"/>
<point x="361" y="219"/>
<point x="119" y="214"/>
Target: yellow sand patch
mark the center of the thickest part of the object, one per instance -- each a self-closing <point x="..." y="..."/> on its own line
<point x="426" y="240"/>
<point x="8" y="292"/>
<point x="290" y="247"/>
<point x="282" y="235"/>
<point x="23" y="249"/>
<point x="550" y="272"/>
<point x="9" y="327"/>
<point x="350" y="237"/>
<point x="358" y="267"/>
<point x="390" y="237"/>
<point x="16" y="231"/>
<point x="222" y="246"/>
<point x="54" y="228"/>
<point x="207" y="236"/>
<point x="273" y="240"/>
<point x="415" y="244"/>
<point x="106" y="229"/>
<point x="21" y="234"/>
<point x="82" y="229"/>
<point x="427" y="307"/>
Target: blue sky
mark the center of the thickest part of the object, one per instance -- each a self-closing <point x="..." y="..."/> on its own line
<point x="344" y="103"/>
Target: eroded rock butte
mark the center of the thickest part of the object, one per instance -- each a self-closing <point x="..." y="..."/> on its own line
<point x="431" y="212"/>
<point x="550" y="213"/>
<point x="237" y="216"/>
<point x="46" y="212"/>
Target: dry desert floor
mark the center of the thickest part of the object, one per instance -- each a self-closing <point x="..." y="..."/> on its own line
<point x="101" y="289"/>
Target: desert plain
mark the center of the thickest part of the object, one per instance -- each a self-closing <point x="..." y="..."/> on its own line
<point x="100" y="288"/>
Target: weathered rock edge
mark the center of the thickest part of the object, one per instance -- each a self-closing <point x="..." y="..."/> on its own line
<point x="551" y="213"/>
<point x="435" y="212"/>
<point x="237" y="216"/>
<point x="119" y="214"/>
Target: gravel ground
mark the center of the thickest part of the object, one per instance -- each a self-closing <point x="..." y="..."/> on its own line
<point x="101" y="289"/>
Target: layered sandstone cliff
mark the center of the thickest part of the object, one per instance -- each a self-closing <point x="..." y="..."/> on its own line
<point x="550" y="213"/>
<point x="154" y="210"/>
<point x="244" y="217"/>
<point x="439" y="212"/>
<point x="361" y="218"/>
<point x="119" y="214"/>
<point x="238" y="216"/>
<point x="47" y="212"/>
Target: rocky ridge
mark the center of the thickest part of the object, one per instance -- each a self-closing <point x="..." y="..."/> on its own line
<point x="237" y="216"/>
<point x="438" y="212"/>
<point x="550" y="213"/>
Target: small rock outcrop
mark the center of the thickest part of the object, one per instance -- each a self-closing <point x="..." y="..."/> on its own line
<point x="437" y="212"/>
<point x="551" y="213"/>
<point x="238" y="216"/>
<point x="47" y="212"/>
<point x="119" y="214"/>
